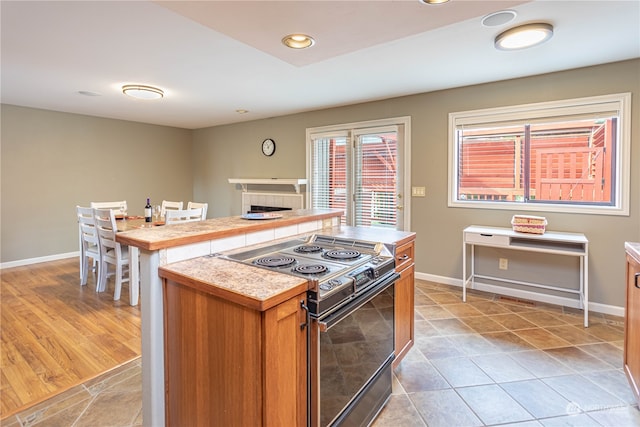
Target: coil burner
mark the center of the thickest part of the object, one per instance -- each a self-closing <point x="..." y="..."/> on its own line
<point x="275" y="261"/>
<point x="310" y="269"/>
<point x="342" y="254"/>
<point x="308" y="249"/>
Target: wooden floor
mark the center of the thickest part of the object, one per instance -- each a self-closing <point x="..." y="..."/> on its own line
<point x="56" y="334"/>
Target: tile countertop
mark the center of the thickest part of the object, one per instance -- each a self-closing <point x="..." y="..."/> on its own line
<point x="254" y="287"/>
<point x="633" y="249"/>
<point x="192" y="232"/>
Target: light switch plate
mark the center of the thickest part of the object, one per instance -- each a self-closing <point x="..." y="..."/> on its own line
<point x="418" y="191"/>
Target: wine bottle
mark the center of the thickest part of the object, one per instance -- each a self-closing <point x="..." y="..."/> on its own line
<point x="147" y="211"/>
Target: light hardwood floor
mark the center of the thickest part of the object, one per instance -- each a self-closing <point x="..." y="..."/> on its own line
<point x="56" y="334"/>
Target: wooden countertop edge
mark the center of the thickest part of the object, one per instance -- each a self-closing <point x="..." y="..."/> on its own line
<point x="229" y="295"/>
<point x="203" y="236"/>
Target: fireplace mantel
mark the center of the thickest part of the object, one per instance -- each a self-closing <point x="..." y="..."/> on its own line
<point x="244" y="182"/>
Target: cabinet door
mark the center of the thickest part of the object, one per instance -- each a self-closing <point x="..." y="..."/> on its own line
<point x="632" y="327"/>
<point x="285" y="362"/>
<point x="404" y="289"/>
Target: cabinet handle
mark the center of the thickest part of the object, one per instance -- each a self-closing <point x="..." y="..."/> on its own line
<point x="403" y="257"/>
<point x="307" y="315"/>
<point x="636" y="281"/>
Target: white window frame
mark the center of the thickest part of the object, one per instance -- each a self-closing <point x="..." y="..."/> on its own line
<point x="351" y="129"/>
<point x="568" y="107"/>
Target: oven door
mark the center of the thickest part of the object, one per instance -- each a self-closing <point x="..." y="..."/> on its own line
<point x="352" y="375"/>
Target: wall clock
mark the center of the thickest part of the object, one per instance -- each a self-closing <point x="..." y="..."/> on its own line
<point x="268" y="147"/>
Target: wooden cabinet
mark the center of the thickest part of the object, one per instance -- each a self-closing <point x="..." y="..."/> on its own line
<point x="230" y="365"/>
<point x="632" y="323"/>
<point x="404" y="300"/>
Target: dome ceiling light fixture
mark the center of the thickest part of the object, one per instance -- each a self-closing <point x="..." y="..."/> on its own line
<point x="142" y="92"/>
<point x="524" y="36"/>
<point x="298" y="41"/>
<point x="433" y="1"/>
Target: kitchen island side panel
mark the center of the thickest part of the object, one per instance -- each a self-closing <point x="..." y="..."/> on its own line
<point x="212" y="359"/>
<point x="229" y="362"/>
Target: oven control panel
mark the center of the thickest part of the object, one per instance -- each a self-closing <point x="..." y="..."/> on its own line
<point x="362" y="276"/>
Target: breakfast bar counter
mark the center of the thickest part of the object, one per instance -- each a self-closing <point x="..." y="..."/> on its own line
<point x="154" y="238"/>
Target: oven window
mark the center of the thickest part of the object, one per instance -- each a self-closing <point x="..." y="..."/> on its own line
<point x="352" y="351"/>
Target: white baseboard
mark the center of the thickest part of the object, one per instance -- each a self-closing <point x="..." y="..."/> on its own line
<point x="519" y="293"/>
<point x="28" y="261"/>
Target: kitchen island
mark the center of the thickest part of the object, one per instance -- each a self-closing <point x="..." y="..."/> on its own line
<point x="159" y="246"/>
<point x="276" y="297"/>
<point x="236" y="350"/>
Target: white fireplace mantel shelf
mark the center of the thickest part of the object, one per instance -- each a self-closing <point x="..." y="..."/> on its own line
<point x="244" y="182"/>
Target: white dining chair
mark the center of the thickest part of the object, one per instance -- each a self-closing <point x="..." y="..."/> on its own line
<point x="111" y="252"/>
<point x="120" y="206"/>
<point x="183" y="215"/>
<point x="204" y="206"/>
<point x="166" y="205"/>
<point x="89" y="245"/>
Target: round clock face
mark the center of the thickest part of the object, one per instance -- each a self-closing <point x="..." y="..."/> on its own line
<point x="268" y="147"/>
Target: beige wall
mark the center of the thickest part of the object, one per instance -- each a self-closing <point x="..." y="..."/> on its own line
<point x="234" y="151"/>
<point x="44" y="170"/>
<point x="53" y="161"/>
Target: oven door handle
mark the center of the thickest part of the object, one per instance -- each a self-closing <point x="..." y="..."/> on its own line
<point x="329" y="321"/>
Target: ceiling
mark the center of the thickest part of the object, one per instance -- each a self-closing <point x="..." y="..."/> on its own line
<point x="213" y="58"/>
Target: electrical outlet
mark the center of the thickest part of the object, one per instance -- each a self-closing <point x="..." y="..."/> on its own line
<point x="503" y="264"/>
<point x="418" y="191"/>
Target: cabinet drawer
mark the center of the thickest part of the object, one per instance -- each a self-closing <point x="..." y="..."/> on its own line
<point x="487" y="239"/>
<point x="404" y="256"/>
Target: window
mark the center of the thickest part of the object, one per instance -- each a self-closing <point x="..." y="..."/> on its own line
<point x="562" y="156"/>
<point x="359" y="168"/>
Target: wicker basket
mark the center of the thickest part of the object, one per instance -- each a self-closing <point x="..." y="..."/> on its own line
<point x="529" y="224"/>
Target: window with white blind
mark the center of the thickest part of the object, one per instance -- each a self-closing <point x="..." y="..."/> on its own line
<point x="359" y="168"/>
<point x="562" y="156"/>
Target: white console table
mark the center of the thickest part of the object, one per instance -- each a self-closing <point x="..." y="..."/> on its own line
<point x="571" y="244"/>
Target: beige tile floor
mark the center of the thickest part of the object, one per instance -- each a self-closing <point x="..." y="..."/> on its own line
<point x="490" y="361"/>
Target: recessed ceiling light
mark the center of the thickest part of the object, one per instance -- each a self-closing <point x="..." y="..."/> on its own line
<point x="242" y="111"/>
<point x="142" y="91"/>
<point x="298" y="41"/>
<point x="433" y="1"/>
<point x="524" y="36"/>
<point x="498" y="18"/>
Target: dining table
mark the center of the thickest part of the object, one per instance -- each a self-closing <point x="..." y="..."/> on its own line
<point x="128" y="223"/>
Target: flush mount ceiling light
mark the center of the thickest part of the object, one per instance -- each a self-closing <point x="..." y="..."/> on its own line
<point x="142" y="92"/>
<point x="298" y="41"/>
<point x="433" y="1"/>
<point x="524" y="36"/>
